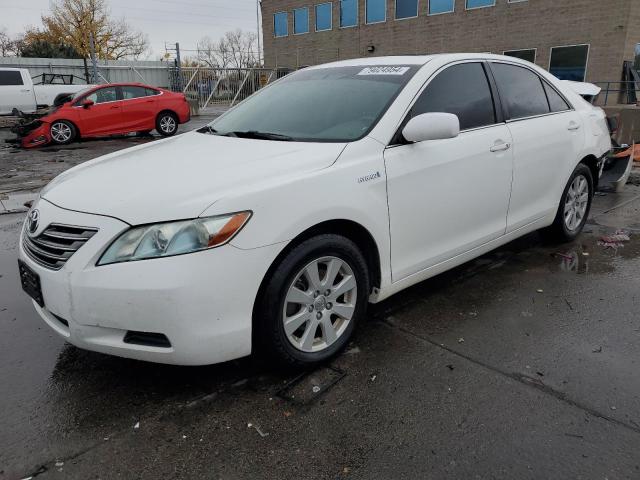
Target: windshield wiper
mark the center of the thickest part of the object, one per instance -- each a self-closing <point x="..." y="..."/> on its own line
<point x="208" y="129"/>
<point x="260" y="135"/>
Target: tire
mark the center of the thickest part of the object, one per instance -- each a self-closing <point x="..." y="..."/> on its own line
<point x="293" y="346"/>
<point x="62" y="132"/>
<point x="167" y="124"/>
<point x="574" y="207"/>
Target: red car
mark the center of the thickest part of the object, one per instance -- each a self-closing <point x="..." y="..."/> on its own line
<point x="106" y="110"/>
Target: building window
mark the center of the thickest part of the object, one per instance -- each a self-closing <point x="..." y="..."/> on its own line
<point x="348" y="13"/>
<point x="569" y="63"/>
<point x="301" y="20"/>
<point x="376" y="11"/>
<point x="324" y="20"/>
<point x="281" y="24"/>
<point x="406" y="9"/>
<point x="480" y="3"/>
<point x="441" y="6"/>
<point x="528" y="54"/>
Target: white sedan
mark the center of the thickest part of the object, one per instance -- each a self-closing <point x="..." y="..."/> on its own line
<point x="336" y="186"/>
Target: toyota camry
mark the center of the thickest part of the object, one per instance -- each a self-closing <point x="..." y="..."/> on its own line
<point x="335" y="187"/>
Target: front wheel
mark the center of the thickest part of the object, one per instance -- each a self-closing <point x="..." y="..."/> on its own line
<point x="313" y="300"/>
<point x="574" y="207"/>
<point x="167" y="124"/>
<point x="62" y="132"/>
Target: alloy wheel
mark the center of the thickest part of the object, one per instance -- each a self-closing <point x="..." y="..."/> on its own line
<point x="576" y="202"/>
<point x="167" y="124"/>
<point x="319" y="304"/>
<point x="61" y="132"/>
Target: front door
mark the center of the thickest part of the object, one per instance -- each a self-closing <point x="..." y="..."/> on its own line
<point x="447" y="197"/>
<point x="104" y="117"/>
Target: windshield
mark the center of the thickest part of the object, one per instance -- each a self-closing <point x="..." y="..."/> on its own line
<point x="326" y="105"/>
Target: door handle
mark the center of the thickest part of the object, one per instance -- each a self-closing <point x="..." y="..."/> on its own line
<point x="25" y="90"/>
<point x="115" y="107"/>
<point x="501" y="148"/>
<point x="573" y="126"/>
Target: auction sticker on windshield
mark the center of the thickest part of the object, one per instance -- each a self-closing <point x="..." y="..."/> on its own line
<point x="384" y="71"/>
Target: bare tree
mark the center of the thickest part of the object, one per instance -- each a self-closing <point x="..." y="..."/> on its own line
<point x="9" y="46"/>
<point x="236" y="49"/>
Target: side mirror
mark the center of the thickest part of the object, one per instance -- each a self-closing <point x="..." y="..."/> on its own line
<point x="87" y="103"/>
<point x="432" y="126"/>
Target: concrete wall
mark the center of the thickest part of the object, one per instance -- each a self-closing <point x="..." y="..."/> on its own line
<point x="541" y="24"/>
<point x="150" y="72"/>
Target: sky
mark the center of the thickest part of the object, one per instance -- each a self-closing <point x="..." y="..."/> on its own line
<point x="162" y="20"/>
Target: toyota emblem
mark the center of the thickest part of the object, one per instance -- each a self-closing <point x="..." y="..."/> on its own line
<point x="34" y="220"/>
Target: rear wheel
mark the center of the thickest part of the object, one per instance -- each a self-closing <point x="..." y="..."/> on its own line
<point x="574" y="207"/>
<point x="62" y="132"/>
<point x="167" y="124"/>
<point x="313" y="301"/>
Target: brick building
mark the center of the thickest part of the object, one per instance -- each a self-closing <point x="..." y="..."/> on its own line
<point x="575" y="39"/>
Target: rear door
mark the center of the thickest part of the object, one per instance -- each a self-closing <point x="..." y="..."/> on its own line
<point x="547" y="135"/>
<point x="138" y="108"/>
<point x="104" y="117"/>
<point x="16" y="92"/>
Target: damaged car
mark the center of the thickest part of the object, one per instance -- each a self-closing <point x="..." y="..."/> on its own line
<point x="106" y="110"/>
<point x="339" y="185"/>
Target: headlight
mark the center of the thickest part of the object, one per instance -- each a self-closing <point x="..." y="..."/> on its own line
<point x="174" y="238"/>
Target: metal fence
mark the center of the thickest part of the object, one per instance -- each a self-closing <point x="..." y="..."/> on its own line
<point x="619" y="92"/>
<point x="221" y="86"/>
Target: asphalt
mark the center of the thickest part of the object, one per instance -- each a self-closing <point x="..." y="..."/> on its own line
<point x="520" y="364"/>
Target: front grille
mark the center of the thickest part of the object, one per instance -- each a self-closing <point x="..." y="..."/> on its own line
<point x="56" y="244"/>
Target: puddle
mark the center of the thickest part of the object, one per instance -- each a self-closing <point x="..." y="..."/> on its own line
<point x="587" y="256"/>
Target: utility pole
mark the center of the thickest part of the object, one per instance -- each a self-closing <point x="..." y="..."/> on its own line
<point x="177" y="85"/>
<point x="258" y="3"/>
<point x="179" y="66"/>
<point x="94" y="62"/>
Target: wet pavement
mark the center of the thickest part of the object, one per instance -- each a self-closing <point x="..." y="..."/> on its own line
<point x="24" y="172"/>
<point x="520" y="364"/>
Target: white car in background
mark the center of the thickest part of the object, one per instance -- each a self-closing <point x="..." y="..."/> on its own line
<point x="336" y="186"/>
<point x="18" y="91"/>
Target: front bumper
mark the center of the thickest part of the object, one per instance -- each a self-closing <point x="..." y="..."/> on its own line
<point x="33" y="134"/>
<point x="201" y="302"/>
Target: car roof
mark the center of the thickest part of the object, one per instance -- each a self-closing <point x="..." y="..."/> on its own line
<point x="417" y="60"/>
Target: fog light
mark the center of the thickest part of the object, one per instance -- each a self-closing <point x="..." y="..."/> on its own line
<point x="39" y="139"/>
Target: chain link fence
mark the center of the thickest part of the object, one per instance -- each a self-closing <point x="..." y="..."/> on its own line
<point x="207" y="86"/>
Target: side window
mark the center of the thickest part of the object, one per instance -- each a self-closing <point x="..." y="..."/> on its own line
<point x="10" y="77"/>
<point x="520" y="90"/>
<point x="130" y="92"/>
<point x="462" y="90"/>
<point x="150" y="92"/>
<point x="556" y="102"/>
<point x="104" y="95"/>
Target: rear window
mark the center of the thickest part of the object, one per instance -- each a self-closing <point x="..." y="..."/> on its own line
<point x="10" y="77"/>
<point x="129" y="92"/>
<point x="521" y="90"/>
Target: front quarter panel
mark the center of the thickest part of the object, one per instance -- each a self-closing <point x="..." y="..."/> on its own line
<point x="353" y="188"/>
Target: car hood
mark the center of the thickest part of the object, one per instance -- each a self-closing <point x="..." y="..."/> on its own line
<point x="179" y="177"/>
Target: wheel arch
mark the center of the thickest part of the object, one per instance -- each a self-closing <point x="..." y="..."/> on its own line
<point x="591" y="161"/>
<point x="348" y="229"/>
<point x="167" y="110"/>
